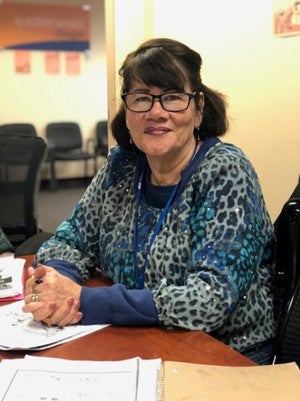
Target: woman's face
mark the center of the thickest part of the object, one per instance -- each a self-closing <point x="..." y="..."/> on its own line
<point x="158" y="132"/>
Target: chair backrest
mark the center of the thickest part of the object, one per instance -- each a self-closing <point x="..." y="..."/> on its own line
<point x="287" y="279"/>
<point x="287" y="229"/>
<point x="64" y="136"/>
<point x="20" y="162"/>
<point x="288" y="338"/>
<point x="102" y="136"/>
<point x="20" y="129"/>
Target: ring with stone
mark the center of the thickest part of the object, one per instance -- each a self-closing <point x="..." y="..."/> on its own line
<point x="34" y="297"/>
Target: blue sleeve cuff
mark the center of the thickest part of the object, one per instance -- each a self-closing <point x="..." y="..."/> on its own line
<point x="117" y="305"/>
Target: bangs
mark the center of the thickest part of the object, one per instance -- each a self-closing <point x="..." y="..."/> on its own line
<point x="154" y="67"/>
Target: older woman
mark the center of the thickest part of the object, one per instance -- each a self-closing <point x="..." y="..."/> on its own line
<point x="175" y="217"/>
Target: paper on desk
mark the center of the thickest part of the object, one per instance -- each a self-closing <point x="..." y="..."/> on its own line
<point x="11" y="278"/>
<point x="19" y="331"/>
<point x="78" y="380"/>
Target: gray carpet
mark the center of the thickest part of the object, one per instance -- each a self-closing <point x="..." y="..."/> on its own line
<point x="54" y="207"/>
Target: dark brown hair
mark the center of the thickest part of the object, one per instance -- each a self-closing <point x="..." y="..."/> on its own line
<point x="169" y="64"/>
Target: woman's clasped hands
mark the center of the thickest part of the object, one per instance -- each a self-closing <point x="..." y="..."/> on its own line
<point x="51" y="297"/>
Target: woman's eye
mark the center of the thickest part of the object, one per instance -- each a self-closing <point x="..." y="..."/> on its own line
<point x="143" y="99"/>
<point x="172" y="97"/>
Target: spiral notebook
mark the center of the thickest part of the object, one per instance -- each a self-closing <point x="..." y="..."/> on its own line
<point x="196" y="382"/>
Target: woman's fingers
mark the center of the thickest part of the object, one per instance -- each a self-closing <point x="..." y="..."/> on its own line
<point x="41" y="270"/>
<point x="35" y="277"/>
<point x="52" y="297"/>
<point x="76" y="318"/>
<point x="30" y="271"/>
<point x="39" y="309"/>
<point x="68" y="313"/>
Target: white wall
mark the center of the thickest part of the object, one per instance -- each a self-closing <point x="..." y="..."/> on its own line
<point x="40" y="98"/>
<point x="260" y="74"/>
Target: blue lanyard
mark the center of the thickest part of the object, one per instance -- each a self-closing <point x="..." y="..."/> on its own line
<point x="139" y="273"/>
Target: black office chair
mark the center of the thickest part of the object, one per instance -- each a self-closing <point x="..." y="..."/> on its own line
<point x="99" y="144"/>
<point x="287" y="346"/>
<point x="20" y="162"/>
<point x="31" y="245"/>
<point x="287" y="282"/>
<point x="19" y="129"/>
<point x="65" y="144"/>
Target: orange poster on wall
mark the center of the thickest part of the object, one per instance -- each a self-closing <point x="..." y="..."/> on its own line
<point x="44" y="27"/>
<point x="22" y="62"/>
<point x="52" y="63"/>
<point x="72" y="63"/>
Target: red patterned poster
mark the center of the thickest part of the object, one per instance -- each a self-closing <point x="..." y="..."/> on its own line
<point x="286" y="17"/>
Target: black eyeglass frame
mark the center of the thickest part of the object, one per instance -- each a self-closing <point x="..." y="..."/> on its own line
<point x="190" y="95"/>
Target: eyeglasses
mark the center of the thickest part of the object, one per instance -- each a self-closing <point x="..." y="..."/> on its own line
<point x="142" y="102"/>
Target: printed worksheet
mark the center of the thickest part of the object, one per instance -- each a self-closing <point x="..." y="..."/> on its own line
<point x="11" y="278"/>
<point x="63" y="380"/>
<point x="19" y="331"/>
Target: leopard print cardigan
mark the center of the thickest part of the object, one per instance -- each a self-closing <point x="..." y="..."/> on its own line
<point x="211" y="265"/>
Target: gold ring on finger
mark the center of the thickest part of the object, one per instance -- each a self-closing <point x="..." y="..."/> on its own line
<point x="34" y="297"/>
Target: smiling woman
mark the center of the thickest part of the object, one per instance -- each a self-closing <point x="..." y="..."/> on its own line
<point x="175" y="217"/>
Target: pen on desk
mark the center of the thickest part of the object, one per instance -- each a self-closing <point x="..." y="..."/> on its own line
<point x="35" y="264"/>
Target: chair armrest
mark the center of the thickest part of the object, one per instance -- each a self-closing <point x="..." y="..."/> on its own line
<point x="50" y="150"/>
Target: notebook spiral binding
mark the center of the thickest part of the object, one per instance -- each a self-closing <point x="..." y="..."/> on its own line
<point x="160" y="387"/>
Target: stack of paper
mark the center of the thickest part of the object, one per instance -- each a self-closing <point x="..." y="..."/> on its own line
<point x="38" y="378"/>
<point x="22" y="332"/>
<point x="11" y="278"/>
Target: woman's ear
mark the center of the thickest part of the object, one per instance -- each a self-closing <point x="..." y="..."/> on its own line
<point x="199" y="112"/>
<point x="201" y="102"/>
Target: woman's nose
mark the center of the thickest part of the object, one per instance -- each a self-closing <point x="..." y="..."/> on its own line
<point x="157" y="109"/>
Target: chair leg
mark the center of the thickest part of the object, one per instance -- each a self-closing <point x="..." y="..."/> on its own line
<point x="95" y="164"/>
<point x="53" y="181"/>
